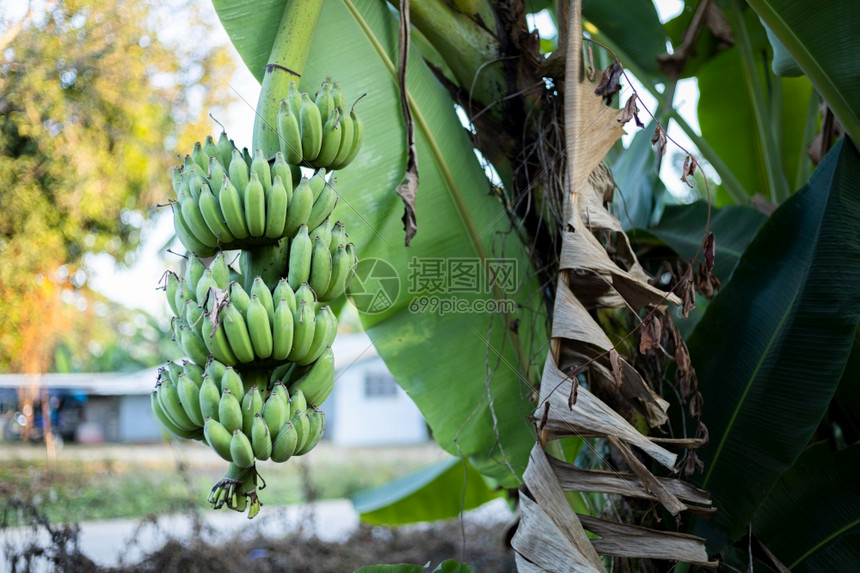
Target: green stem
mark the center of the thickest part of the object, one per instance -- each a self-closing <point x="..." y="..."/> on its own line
<point x="767" y="149"/>
<point x="286" y="64"/>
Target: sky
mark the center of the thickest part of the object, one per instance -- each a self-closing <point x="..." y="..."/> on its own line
<point x="135" y="286"/>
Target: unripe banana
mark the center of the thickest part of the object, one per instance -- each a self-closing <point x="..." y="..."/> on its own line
<point x="217" y="175"/>
<point x="341" y="269"/>
<point x="192" y="344"/>
<point x="190" y="167"/>
<point x="300" y="208"/>
<point x="331" y="140"/>
<point x="168" y="424"/>
<point x="284" y="291"/>
<point x="246" y="155"/>
<point x="338" y="238"/>
<point x="233" y="209"/>
<point x="252" y="404"/>
<point x="323" y="231"/>
<point x="357" y="137"/>
<point x="196" y="184"/>
<point x="280" y="168"/>
<point x="261" y="438"/>
<point x="318" y="382"/>
<point x="325" y="329"/>
<point x="276" y="209"/>
<point x="194" y="269"/>
<point x="303" y="331"/>
<point x="298" y="403"/>
<point x="321" y="267"/>
<point x="316" y="421"/>
<point x="210" y="208"/>
<point x="259" y="328"/>
<point x="176" y="179"/>
<point x="282" y="331"/>
<point x="281" y="392"/>
<point x="209" y="147"/>
<point x="317" y="183"/>
<point x="225" y="149"/>
<point x="220" y="271"/>
<point x="189" y="396"/>
<point x="171" y="288"/>
<point x="239" y="297"/>
<point x="188" y="239"/>
<point x="301" y="253"/>
<point x="307" y="294"/>
<point x="311" y="124"/>
<point x="220" y="346"/>
<point x="233" y="382"/>
<point x="170" y="402"/>
<point x="239" y="173"/>
<point x="219" y="438"/>
<point x="324" y="100"/>
<point x="180" y="297"/>
<point x="199" y="157"/>
<point x="193" y="372"/>
<point x="337" y="94"/>
<point x="255" y="206"/>
<point x="260" y="289"/>
<point x="303" y="429"/>
<point x="347" y="133"/>
<point x="230" y="411"/>
<point x="284" y="444"/>
<point x="237" y="333"/>
<point x="209" y="397"/>
<point x="294" y="99"/>
<point x="323" y="206"/>
<point x="289" y="134"/>
<point x="215" y="369"/>
<point x="206" y="282"/>
<point x="275" y="413"/>
<point x="260" y="166"/>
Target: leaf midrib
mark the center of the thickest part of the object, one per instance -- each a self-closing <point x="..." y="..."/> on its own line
<point x="824" y="542"/>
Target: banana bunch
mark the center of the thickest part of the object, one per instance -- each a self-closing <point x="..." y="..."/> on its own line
<point x="319" y="132"/>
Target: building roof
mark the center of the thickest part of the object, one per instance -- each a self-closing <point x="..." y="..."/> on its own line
<point x="349" y="349"/>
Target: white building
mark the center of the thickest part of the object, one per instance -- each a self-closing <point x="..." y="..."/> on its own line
<point x="366" y="407"/>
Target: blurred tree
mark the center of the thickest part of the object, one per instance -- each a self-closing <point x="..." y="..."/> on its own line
<point x="94" y="96"/>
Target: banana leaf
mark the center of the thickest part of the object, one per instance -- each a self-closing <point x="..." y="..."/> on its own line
<point x="440" y="491"/>
<point x="468" y="372"/>
<point x="771" y="348"/>
<point x="811" y="518"/>
<point x="634" y="28"/>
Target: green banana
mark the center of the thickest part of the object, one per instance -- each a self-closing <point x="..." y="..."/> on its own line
<point x="284" y="291"/>
<point x="238" y="170"/>
<point x="220" y="346"/>
<point x="189" y="396"/>
<point x="239" y="297"/>
<point x="168" y="424"/>
<point x="206" y="282"/>
<point x="318" y="382"/>
<point x="330" y="139"/>
<point x="298" y="403"/>
<point x="276" y="209"/>
<point x="194" y="269"/>
<point x="209" y="397"/>
<point x="323" y="206"/>
<point x="275" y="412"/>
<point x="261" y="438"/>
<point x="357" y="137"/>
<point x="252" y="404"/>
<point x="337" y="94"/>
<point x="294" y="99"/>
<point x="341" y="269"/>
<point x="171" y="404"/>
<point x="173" y="371"/>
<point x="230" y="411"/>
<point x="218" y="437"/>
<point x="260" y="289"/>
<point x="193" y="372"/>
<point x="311" y="124"/>
<point x="259" y="328"/>
<point x="281" y="392"/>
<point x="347" y="132"/>
<point x="325" y="330"/>
<point x="225" y="149"/>
<point x="220" y="271"/>
<point x="188" y="239"/>
<point x="323" y="231"/>
<point x="255" y="206"/>
<point x="210" y="209"/>
<point x="289" y="134"/>
<point x="317" y="183"/>
<point x="303" y="331"/>
<point x="215" y="369"/>
<point x="189" y="166"/>
<point x="284" y="444"/>
<point x="280" y="168"/>
<point x="260" y="166"/>
<point x="280" y="373"/>
<point x="192" y="344"/>
<point x="176" y="179"/>
<point x="338" y="238"/>
<point x="301" y="252"/>
<point x="282" y="330"/>
<point x="233" y="382"/>
<point x="324" y="100"/>
<point x="196" y="184"/>
<point x="237" y="333"/>
<point x="300" y="208"/>
<point x="303" y="429"/>
<point x="217" y="175"/>
<point x="316" y="420"/>
<point x="209" y="147"/>
<point x="307" y="294"/>
<point x="233" y="209"/>
<point x="199" y="157"/>
<point x="171" y="288"/>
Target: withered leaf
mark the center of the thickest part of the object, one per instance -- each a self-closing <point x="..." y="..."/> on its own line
<point x="659" y="139"/>
<point x="631" y="112"/>
<point x="689" y="170"/>
<point x="650" y="334"/>
<point x="609" y="82"/>
<point x="591" y="69"/>
<point x="615" y="362"/>
<point x="708" y="247"/>
<point x="685" y="291"/>
<point x="693" y="464"/>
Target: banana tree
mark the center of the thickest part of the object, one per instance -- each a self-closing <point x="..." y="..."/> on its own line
<point x="519" y="314"/>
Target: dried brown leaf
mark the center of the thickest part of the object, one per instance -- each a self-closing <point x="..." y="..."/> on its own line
<point x="609" y="82"/>
<point x="650" y="334"/>
<point x="631" y="112"/>
<point x="659" y="139"/>
<point x="690" y="165"/>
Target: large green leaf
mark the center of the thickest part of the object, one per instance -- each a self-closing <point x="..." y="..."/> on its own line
<point x="633" y="27"/>
<point x="811" y="518"/>
<point x="446" y="362"/>
<point x="251" y="26"/>
<point x="635" y="172"/>
<point x="440" y="491"/>
<point x="822" y="38"/>
<point x="771" y="348"/>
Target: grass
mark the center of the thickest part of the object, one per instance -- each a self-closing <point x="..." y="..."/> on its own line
<point x="106" y="482"/>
